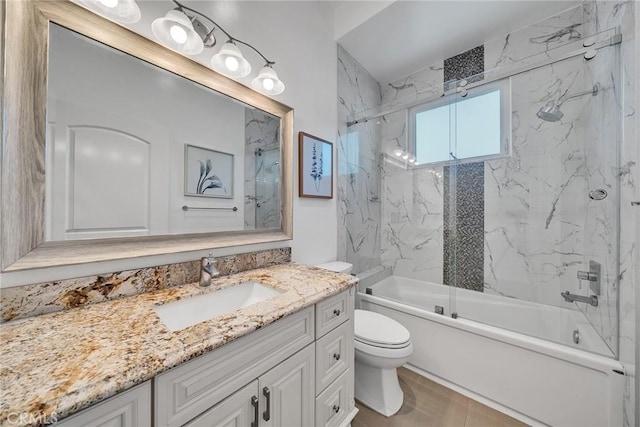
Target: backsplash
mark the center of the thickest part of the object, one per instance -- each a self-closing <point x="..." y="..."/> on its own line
<point x="48" y="297"/>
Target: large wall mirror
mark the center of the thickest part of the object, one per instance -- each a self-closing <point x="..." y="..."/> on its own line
<point x="116" y="147"/>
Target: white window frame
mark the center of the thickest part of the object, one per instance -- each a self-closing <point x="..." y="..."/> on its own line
<point x="504" y="86"/>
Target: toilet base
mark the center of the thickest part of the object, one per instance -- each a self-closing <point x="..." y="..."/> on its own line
<point x="378" y="388"/>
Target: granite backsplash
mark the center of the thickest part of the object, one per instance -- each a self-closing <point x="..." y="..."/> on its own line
<point x="47" y="297"/>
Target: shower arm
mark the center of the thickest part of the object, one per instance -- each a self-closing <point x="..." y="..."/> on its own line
<point x="592" y="92"/>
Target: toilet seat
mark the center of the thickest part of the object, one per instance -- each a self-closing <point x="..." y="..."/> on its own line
<point x="383" y="345"/>
<point x="375" y="330"/>
<point x="384" y="352"/>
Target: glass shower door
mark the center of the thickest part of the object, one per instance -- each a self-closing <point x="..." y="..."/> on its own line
<point x="267" y="209"/>
<point x="534" y="231"/>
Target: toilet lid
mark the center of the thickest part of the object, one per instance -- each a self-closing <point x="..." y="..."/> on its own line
<point x="379" y="330"/>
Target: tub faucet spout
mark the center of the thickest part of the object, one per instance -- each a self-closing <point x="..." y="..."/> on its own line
<point x="569" y="297"/>
<point x="208" y="270"/>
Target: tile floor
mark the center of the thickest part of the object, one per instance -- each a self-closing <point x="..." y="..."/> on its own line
<point x="427" y="404"/>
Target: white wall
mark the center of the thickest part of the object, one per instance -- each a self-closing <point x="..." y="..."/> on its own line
<point x="299" y="37"/>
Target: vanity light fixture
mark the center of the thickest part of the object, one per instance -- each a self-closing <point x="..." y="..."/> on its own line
<point x="176" y="31"/>
<point x="125" y="11"/>
<point x="268" y="81"/>
<point x="229" y="61"/>
<point x="182" y="29"/>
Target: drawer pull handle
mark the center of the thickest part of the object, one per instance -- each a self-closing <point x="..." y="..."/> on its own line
<point x="256" y="413"/>
<point x="266" y="415"/>
<point x="336" y="408"/>
<point x="336" y="356"/>
<point x="336" y="312"/>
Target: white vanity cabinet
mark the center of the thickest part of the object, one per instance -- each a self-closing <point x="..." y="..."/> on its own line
<point x="297" y="371"/>
<point x="281" y="397"/>
<point x="131" y="408"/>
<point x="335" y="359"/>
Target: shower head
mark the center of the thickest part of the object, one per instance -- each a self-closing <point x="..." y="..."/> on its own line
<point x="551" y="111"/>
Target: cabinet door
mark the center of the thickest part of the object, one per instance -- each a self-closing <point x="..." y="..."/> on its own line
<point x="287" y="392"/>
<point x="237" y="410"/>
<point x="131" y="408"/>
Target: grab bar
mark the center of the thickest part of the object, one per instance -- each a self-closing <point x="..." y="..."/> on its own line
<point x="193" y="208"/>
<point x="569" y="297"/>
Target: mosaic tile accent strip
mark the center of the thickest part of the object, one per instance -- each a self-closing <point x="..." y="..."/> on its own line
<point x="467" y="65"/>
<point x="49" y="297"/>
<point x="463" y="232"/>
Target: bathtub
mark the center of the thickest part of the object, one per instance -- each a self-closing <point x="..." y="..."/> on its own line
<point x="538" y="375"/>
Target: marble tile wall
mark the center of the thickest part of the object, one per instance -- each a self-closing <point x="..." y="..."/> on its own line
<point x="548" y="34"/>
<point x="358" y="186"/>
<point x="40" y="298"/>
<point x="261" y="170"/>
<point x="423" y="83"/>
<point x="412" y="227"/>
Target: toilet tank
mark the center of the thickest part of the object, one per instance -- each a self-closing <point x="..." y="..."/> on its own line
<point x="337" y="266"/>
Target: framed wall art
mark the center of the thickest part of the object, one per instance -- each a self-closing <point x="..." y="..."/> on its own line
<point x="315" y="167"/>
<point x="207" y="173"/>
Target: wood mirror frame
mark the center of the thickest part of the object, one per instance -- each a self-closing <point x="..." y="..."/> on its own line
<point x="25" y="35"/>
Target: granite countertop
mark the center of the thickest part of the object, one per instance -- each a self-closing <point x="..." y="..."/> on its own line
<point x="66" y="361"/>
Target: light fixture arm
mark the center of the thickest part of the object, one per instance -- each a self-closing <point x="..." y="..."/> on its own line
<point x="216" y="25"/>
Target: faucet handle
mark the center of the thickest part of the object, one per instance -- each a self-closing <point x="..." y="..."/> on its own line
<point x="208" y="270"/>
<point x="209" y="264"/>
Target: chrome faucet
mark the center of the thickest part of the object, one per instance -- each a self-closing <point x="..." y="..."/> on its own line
<point x="208" y="270"/>
<point x="569" y="297"/>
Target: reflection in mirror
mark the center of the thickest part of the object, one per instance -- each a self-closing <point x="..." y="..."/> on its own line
<point x="130" y="144"/>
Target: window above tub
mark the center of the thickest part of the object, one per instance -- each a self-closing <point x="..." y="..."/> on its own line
<point x="463" y="129"/>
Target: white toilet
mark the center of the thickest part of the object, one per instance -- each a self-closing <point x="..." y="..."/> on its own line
<point x="381" y="345"/>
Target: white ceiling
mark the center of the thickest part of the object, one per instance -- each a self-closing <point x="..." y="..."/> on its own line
<point x="407" y="36"/>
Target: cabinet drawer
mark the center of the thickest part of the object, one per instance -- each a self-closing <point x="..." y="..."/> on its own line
<point x="332" y="404"/>
<point x="333" y="352"/>
<point x="332" y="312"/>
<point x="195" y="386"/>
<point x="238" y="409"/>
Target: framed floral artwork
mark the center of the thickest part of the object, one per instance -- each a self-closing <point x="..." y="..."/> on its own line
<point x="207" y="173"/>
<point x="315" y="167"/>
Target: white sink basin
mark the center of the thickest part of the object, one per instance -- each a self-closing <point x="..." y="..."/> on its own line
<point x="190" y="311"/>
